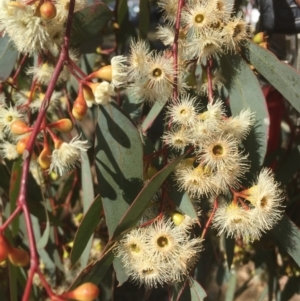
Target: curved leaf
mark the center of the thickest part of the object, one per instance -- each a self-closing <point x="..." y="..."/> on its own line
<point x="282" y="76"/>
<point x="154" y="112"/>
<point x="135" y="211"/>
<point x="288" y="236"/>
<point x="88" y="196"/>
<point x="245" y="92"/>
<point x="231" y="288"/>
<point x="8" y="57"/>
<point x="86" y="228"/>
<point x="144" y="17"/>
<point x="197" y="291"/>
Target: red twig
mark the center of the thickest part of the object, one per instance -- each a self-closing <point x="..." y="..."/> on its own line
<point x="22" y="202"/>
<point x="19" y="67"/>
<point x="10" y="218"/>
<point x="175" y="49"/>
<point x="209" y="80"/>
<point x="210" y="218"/>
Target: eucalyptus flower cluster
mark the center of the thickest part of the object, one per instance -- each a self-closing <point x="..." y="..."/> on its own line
<point x="32" y="30"/>
<point x="160" y="253"/>
<point x="217" y="162"/>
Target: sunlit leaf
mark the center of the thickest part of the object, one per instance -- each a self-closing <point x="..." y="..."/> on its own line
<point x="282" y="76"/>
<point x="245" y="93"/>
<point x="8" y="57"/>
<point x="86" y="228"/>
<point x="197" y="291"/>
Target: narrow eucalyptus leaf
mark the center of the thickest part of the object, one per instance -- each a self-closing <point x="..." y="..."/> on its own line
<point x="86" y="228"/>
<point x="197" y="291"/>
<point x="282" y="76"/>
<point x="245" y="93"/>
<point x="288" y="236"/>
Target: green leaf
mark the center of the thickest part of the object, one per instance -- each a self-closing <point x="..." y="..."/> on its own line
<point x="144" y="17"/>
<point x="12" y="272"/>
<point x="15" y="182"/>
<point x="119" y="163"/>
<point x="86" y="228"/>
<point x="120" y="272"/>
<point x="42" y="242"/>
<point x="245" y="92"/>
<point x="184" y="203"/>
<point x="282" y="76"/>
<point x="231" y="288"/>
<point x="96" y="271"/>
<point x="288" y="236"/>
<point x="88" y="23"/>
<point x="5" y="178"/>
<point x="197" y="291"/>
<point x="154" y="112"/>
<point x="179" y="291"/>
<point x="229" y="247"/>
<point x="88" y="196"/>
<point x="8" y="57"/>
<point x="137" y="208"/>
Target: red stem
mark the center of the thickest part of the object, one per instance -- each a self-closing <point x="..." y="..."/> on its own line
<point x="22" y="203"/>
<point x="175" y="49"/>
<point x="10" y="218"/>
<point x="210" y="218"/>
<point x="19" y="67"/>
<point x="209" y="81"/>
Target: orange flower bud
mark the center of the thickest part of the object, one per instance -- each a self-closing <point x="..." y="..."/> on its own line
<point x="64" y="125"/>
<point x="18" y="257"/>
<point x="4" y="247"/>
<point x="19" y="127"/>
<point x="79" y="107"/>
<point x="44" y="158"/>
<point x="85" y="292"/>
<point x="48" y="10"/>
<point x="21" y="145"/>
<point x="104" y="73"/>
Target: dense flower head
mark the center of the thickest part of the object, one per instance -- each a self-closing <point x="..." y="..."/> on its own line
<point x="159" y="253"/>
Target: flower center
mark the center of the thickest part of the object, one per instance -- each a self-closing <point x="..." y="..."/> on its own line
<point x="263" y="202"/>
<point x="147" y="272"/>
<point x="218" y="150"/>
<point x="9" y="118"/>
<point x="236" y="31"/>
<point x="134" y="248"/>
<point x="162" y="242"/>
<point x="199" y="18"/>
<point x="183" y="112"/>
<point x="157" y="72"/>
<point x="237" y="220"/>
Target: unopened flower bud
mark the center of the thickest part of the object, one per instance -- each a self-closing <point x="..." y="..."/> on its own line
<point x="85" y="292"/>
<point x="18" y="257"/>
<point x="177" y="218"/>
<point x="104" y="73"/>
<point x="44" y="158"/>
<point x="21" y="145"/>
<point x="4" y="247"/>
<point x="48" y="10"/>
<point x="79" y="107"/>
<point x="64" y="125"/>
<point x="151" y="171"/>
<point x="259" y="38"/>
<point x="19" y="127"/>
